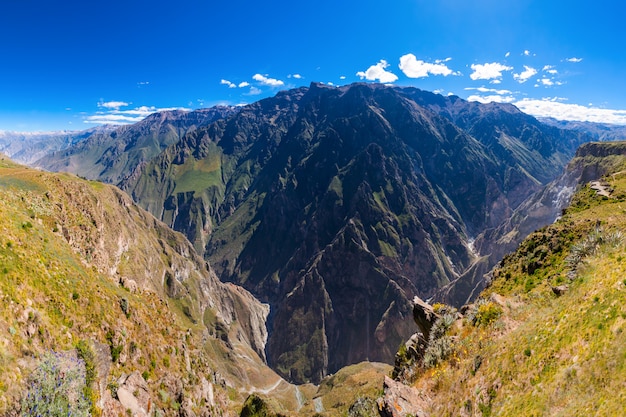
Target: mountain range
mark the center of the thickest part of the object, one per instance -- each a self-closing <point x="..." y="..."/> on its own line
<point x="303" y="227"/>
<point x="336" y="206"/>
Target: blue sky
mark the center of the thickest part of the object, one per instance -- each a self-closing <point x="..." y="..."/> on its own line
<point x="75" y="64"/>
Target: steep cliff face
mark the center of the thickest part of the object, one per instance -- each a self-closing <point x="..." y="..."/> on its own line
<point x="338" y="205"/>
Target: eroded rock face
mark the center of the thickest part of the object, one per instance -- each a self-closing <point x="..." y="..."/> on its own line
<point x="142" y="254"/>
<point x="400" y="400"/>
<point x="424" y="316"/>
<point x="134" y="395"/>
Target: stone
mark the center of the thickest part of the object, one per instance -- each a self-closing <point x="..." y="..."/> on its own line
<point x="424" y="316"/>
<point x="129" y="284"/>
<point x="134" y="395"/>
<point x="560" y="290"/>
<point x="400" y="400"/>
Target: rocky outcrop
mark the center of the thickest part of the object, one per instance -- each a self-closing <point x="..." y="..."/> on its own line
<point x="400" y="400"/>
<point x="424" y="316"/>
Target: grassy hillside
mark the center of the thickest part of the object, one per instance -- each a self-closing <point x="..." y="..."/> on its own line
<point x="547" y="336"/>
<point x="81" y="265"/>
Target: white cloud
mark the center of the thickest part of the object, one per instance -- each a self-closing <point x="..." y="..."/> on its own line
<point x="497" y="98"/>
<point x="574" y="59"/>
<point x="488" y="90"/>
<point x="546" y="82"/>
<point x="243" y="84"/>
<point x="296" y="76"/>
<point x="527" y="52"/>
<point x="551" y="107"/>
<point x="343" y="77"/>
<point x="378" y="72"/>
<point x="508" y="54"/>
<point x="112" y="104"/>
<point x="488" y="71"/>
<point x="271" y="82"/>
<point x="414" y="68"/>
<point x="121" y="117"/>
<point x="525" y="75"/>
<point x="254" y="91"/>
<point x="550" y="69"/>
<point x="228" y="83"/>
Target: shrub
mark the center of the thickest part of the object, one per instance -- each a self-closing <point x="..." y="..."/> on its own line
<point x="487" y="313"/>
<point x="483" y="312"/>
<point x="56" y="387"/>
<point x="440" y="345"/>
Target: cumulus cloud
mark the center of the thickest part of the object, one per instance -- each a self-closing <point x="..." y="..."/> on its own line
<point x="416" y="68"/>
<point x="243" y="84"/>
<point x="296" y="76"/>
<point x="546" y="81"/>
<point x="254" y="91"/>
<point x="265" y="80"/>
<point x="343" y="77"/>
<point x="488" y="90"/>
<point x="492" y="98"/>
<point x="526" y="52"/>
<point x="378" y="73"/>
<point x="550" y="69"/>
<point x="508" y="54"/>
<point x="489" y="71"/>
<point x="574" y="59"/>
<point x="113" y="104"/>
<point x="228" y="83"/>
<point x="553" y="107"/>
<point x="525" y="75"/>
<point x="115" y="116"/>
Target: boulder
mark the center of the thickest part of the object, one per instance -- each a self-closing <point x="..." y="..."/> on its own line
<point x="560" y="290"/>
<point x="400" y="400"/>
<point x="133" y="394"/>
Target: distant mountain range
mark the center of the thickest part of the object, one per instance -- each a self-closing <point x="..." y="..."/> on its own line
<point x="28" y="147"/>
<point x="110" y="155"/>
<point x="336" y="205"/>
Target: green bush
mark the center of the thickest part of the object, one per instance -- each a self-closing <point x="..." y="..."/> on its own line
<point x="440" y="345"/>
<point x="487" y="313"/>
<point x="56" y="387"/>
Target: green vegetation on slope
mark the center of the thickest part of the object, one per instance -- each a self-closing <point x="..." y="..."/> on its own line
<point x="82" y="269"/>
<point x="547" y="337"/>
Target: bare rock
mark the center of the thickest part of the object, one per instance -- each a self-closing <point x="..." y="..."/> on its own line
<point x="133" y="394"/>
<point x="424" y="316"/>
<point x="400" y="400"/>
<point x="129" y="284"/>
<point x="560" y="290"/>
